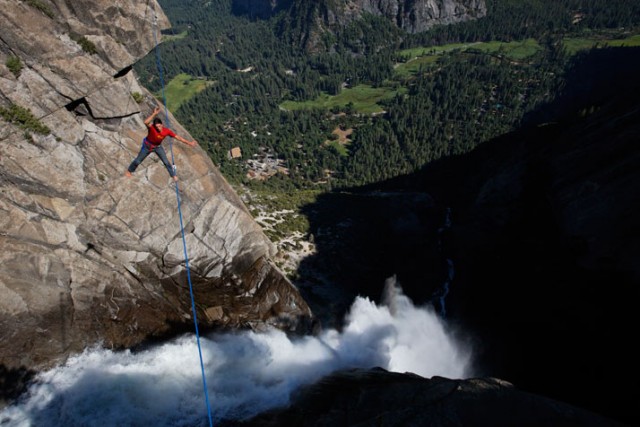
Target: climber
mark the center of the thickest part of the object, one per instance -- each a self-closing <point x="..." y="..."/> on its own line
<point x="156" y="133"/>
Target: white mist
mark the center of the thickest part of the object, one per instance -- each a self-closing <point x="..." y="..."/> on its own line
<point x="246" y="373"/>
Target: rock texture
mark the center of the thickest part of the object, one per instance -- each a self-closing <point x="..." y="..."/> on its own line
<point x="90" y="256"/>
<point x="379" y="398"/>
<point x="414" y="16"/>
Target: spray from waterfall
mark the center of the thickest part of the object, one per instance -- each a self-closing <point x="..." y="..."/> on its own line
<point x="247" y="372"/>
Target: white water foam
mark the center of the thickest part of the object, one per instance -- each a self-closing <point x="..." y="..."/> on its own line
<point x="246" y="373"/>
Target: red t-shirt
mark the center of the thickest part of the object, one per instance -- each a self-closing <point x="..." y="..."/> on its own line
<point x="155" y="138"/>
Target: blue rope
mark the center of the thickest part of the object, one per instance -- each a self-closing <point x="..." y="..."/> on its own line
<point x="184" y="241"/>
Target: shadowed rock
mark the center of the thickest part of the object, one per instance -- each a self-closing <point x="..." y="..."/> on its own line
<point x="376" y="397"/>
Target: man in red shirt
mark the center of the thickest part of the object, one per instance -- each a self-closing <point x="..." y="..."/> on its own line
<point x="156" y="133"/>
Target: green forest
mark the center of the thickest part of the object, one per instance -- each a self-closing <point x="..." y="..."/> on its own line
<point x="367" y="102"/>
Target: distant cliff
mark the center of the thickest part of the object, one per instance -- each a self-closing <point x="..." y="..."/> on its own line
<point x="89" y="256"/>
<point x="412" y="16"/>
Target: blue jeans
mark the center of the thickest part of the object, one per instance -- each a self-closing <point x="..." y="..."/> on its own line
<point x="145" y="151"/>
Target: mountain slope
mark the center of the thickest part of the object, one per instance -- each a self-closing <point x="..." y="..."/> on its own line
<point x="308" y="20"/>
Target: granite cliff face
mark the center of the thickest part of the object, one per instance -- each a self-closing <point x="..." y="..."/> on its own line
<point x="90" y="256"/>
<point x="412" y="16"/>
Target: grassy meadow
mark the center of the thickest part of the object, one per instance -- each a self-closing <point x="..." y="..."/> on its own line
<point x="173" y="37"/>
<point x="575" y="44"/>
<point x="181" y="88"/>
<point x="364" y="99"/>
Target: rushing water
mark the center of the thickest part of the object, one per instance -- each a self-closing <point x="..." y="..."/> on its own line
<point x="246" y="373"/>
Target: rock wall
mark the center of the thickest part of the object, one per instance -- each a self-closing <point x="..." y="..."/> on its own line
<point x="415" y="16"/>
<point x="90" y="256"/>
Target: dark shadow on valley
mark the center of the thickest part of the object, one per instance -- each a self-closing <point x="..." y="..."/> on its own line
<point x="545" y="240"/>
